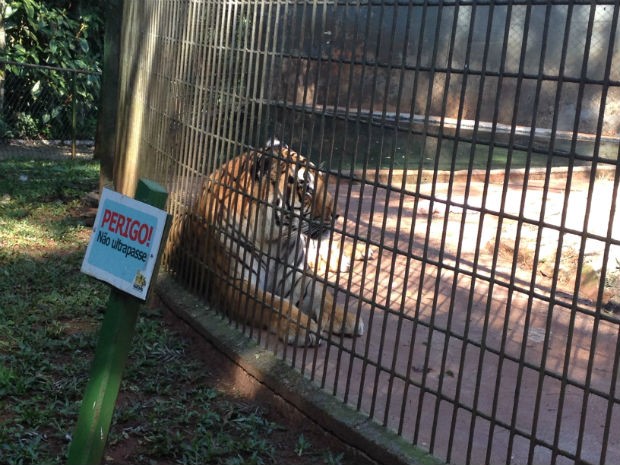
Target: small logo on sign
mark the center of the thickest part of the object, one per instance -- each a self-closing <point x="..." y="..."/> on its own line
<point x="139" y="281"/>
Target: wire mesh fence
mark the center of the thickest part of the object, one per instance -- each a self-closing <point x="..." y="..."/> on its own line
<point x="471" y="146"/>
<point x="47" y="110"/>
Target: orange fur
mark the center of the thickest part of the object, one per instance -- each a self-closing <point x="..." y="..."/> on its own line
<point x="243" y="227"/>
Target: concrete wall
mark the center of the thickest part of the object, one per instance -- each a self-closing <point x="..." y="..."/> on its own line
<point x="544" y="66"/>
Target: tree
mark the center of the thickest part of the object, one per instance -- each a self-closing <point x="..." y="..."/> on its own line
<point x="39" y="31"/>
<point x="56" y="33"/>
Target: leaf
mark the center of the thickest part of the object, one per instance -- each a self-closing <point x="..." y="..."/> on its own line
<point x="29" y="7"/>
<point x="20" y="48"/>
<point x="36" y="89"/>
<point x="8" y="12"/>
<point x="84" y="45"/>
<point x="47" y="117"/>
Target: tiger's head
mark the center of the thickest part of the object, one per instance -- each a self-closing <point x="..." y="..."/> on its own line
<point x="298" y="190"/>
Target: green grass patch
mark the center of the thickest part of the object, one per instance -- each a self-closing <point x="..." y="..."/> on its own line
<point x="49" y="311"/>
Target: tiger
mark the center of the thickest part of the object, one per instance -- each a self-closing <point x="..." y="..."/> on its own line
<point x="259" y="218"/>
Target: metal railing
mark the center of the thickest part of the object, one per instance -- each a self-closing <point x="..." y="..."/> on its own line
<point x="474" y="146"/>
<point x="47" y="108"/>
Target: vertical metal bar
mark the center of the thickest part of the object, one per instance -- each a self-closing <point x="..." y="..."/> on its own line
<point x="528" y="317"/>
<point x="513" y="429"/>
<point x="456" y="141"/>
<point x="425" y="253"/>
<point x="573" y="310"/>
<point x="455" y="277"/>
<point x="418" y="175"/>
<point x="326" y="51"/>
<point x="255" y="67"/>
<point x="389" y="69"/>
<point x="344" y="9"/>
<point x="585" y="236"/>
<point x="266" y="89"/>
<point x="495" y="254"/>
<point x="400" y="209"/>
<point x="343" y="139"/>
<point x="73" y="113"/>
<point x="358" y="7"/>
<point x="305" y="61"/>
<point x="319" y="26"/>
<point x="270" y="92"/>
<point x="610" y="229"/>
<point x="434" y="331"/>
<point x="196" y="163"/>
<point x="381" y="258"/>
<point x="612" y="400"/>
<point x="366" y="64"/>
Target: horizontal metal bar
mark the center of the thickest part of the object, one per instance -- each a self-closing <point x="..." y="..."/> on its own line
<point x="48" y="67"/>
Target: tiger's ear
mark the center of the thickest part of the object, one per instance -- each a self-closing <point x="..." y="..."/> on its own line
<point x="273" y="143"/>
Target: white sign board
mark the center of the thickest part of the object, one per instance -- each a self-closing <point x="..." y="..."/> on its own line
<point x="125" y="242"/>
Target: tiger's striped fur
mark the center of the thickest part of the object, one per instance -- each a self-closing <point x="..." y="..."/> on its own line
<point x="255" y="215"/>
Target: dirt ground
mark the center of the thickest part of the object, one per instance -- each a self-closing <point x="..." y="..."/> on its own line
<point x="44" y="150"/>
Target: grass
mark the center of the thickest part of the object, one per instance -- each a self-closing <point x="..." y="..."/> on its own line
<point x="48" y="311"/>
<point x="170" y="409"/>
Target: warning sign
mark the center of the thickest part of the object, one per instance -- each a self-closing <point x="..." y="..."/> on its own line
<point x="125" y="243"/>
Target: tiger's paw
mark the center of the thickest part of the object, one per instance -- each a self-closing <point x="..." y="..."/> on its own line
<point x="347" y="324"/>
<point x="361" y="251"/>
<point x="337" y="255"/>
<point x="302" y="337"/>
<point x="352" y="327"/>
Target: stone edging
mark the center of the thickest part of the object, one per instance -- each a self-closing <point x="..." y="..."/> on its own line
<point x="394" y="177"/>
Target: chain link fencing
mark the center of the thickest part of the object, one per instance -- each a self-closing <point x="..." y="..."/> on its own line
<point x="47" y="111"/>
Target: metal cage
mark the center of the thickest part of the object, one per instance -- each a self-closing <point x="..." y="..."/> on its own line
<point x="473" y="145"/>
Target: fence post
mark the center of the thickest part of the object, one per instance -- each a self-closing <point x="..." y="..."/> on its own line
<point x="73" y="115"/>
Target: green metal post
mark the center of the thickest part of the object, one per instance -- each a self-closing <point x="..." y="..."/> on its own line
<point x="117" y="329"/>
<point x="73" y="115"/>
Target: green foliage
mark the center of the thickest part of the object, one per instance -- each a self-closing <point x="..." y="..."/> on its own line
<point x="302" y="445"/>
<point x="331" y="458"/>
<point x="40" y="32"/>
<point x="47" y="307"/>
<point x="43" y="32"/>
<point x="25" y="125"/>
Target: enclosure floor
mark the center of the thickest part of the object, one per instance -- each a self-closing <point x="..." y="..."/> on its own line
<point x="464" y="356"/>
